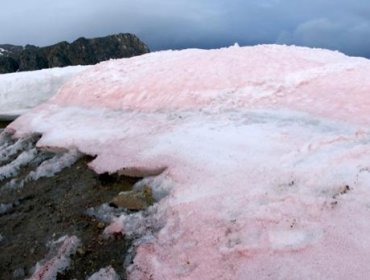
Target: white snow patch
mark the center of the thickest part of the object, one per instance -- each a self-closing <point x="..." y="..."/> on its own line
<point x="11" y="169"/>
<point x="54" y="165"/>
<point x="58" y="259"/>
<point x="3" y="51"/>
<point x="8" y="150"/>
<point x="141" y="224"/>
<point x="105" y="213"/>
<point x="160" y="185"/>
<point x="292" y="239"/>
<point x="19" y="92"/>
<point x="107" y="273"/>
<point x="47" y="168"/>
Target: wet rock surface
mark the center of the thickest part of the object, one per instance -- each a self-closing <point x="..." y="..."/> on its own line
<point x="39" y="211"/>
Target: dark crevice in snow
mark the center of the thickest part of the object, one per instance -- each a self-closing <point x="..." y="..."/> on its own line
<point x="115" y="178"/>
<point x="137" y="172"/>
<point x="3" y="124"/>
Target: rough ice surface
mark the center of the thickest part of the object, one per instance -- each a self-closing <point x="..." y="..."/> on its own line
<point x="46" y="168"/>
<point x="19" y="92"/>
<point x="11" y="169"/>
<point x="15" y="154"/>
<point x="58" y="259"/>
<point x="264" y="152"/>
<point x="50" y="167"/>
<point x="141" y="224"/>
<point x="107" y="273"/>
<point x="105" y="213"/>
<point x="7" y="150"/>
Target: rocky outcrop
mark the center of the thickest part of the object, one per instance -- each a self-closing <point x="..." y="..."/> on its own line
<point x="81" y="52"/>
<point x="10" y="50"/>
<point x="8" y="58"/>
<point x="8" y="64"/>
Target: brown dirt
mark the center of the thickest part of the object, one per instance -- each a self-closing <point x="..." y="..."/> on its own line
<point x="49" y="208"/>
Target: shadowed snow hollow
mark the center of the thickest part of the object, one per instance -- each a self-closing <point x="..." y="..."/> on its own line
<point x="265" y="152"/>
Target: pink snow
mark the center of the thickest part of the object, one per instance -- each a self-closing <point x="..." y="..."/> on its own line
<point x="57" y="261"/>
<point x="256" y="147"/>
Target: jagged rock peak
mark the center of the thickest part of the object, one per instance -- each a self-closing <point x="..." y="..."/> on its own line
<point x="82" y="51"/>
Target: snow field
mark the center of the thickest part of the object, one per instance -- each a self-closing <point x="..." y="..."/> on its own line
<point x="260" y="156"/>
<point x="20" y="92"/>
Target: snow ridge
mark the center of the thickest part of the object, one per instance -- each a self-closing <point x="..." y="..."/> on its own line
<point x="19" y="92"/>
<point x="262" y="153"/>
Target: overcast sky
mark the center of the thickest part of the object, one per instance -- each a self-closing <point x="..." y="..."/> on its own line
<point x="163" y="24"/>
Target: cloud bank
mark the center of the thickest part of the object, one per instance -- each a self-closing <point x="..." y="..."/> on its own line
<point x="341" y="25"/>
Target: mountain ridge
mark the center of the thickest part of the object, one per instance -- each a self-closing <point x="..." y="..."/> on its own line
<point x="82" y="51"/>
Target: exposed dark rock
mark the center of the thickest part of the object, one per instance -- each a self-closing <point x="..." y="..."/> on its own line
<point x="8" y="64"/>
<point x="81" y="52"/>
<point x="32" y="58"/>
<point x="51" y="207"/>
<point x="10" y="50"/>
<point x="9" y="58"/>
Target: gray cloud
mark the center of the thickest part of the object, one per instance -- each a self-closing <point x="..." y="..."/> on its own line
<point x="163" y="24"/>
<point x="350" y="37"/>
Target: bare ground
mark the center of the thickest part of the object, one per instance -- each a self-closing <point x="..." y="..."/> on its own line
<point x="48" y="208"/>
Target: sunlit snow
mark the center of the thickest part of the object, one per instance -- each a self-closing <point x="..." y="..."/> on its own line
<point x="262" y="152"/>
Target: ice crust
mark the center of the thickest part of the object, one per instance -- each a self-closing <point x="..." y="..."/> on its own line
<point x="54" y="165"/>
<point x="19" y="92"/>
<point x="254" y="146"/>
<point x="12" y="169"/>
<point x="7" y="150"/>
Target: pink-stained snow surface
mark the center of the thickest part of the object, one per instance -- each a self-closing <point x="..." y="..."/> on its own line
<point x="57" y="261"/>
<point x="264" y="152"/>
